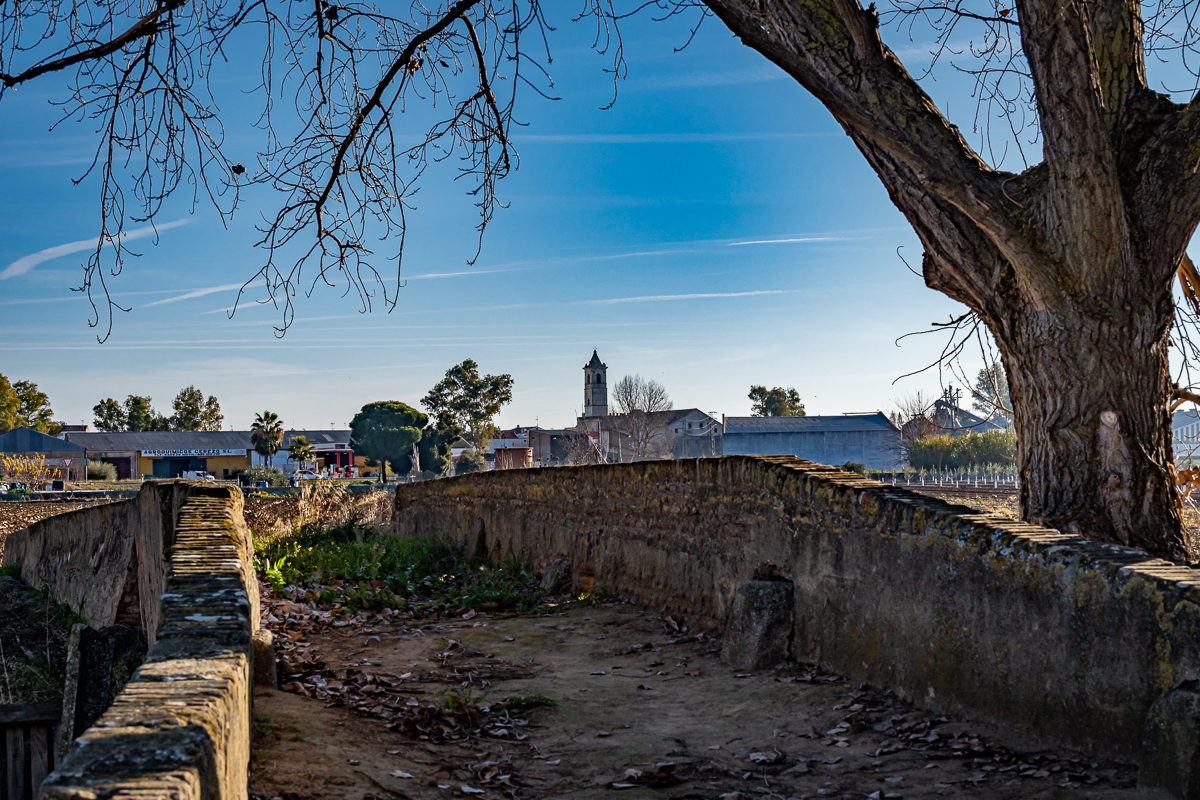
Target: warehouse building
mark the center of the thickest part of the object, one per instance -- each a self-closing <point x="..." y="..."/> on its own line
<point x="70" y="460"/>
<point x="167" y="454"/>
<point x="332" y="450"/>
<point x="868" y="439"/>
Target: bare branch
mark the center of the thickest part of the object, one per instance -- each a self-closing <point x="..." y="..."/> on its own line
<point x="146" y="26"/>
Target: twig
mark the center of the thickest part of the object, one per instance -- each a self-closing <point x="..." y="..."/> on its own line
<point x="4" y="661"/>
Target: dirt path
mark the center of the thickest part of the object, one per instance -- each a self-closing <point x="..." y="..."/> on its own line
<point x="642" y="709"/>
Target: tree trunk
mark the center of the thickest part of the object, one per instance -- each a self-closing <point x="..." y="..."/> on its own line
<point x="1091" y="396"/>
<point x="1070" y="262"/>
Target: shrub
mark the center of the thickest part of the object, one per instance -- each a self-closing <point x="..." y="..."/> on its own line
<point x="274" y="476"/>
<point x="854" y="466"/>
<point x="101" y="471"/>
<point x="470" y="461"/>
<point x="965" y="452"/>
<point x="931" y="452"/>
<point x="31" y="470"/>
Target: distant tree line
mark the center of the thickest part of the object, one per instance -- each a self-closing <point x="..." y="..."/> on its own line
<point x="23" y="405"/>
<point x="193" y="412"/>
<point x="926" y="444"/>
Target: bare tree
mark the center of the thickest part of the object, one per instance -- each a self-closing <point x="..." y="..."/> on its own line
<point x="579" y="448"/>
<point x="336" y="78"/>
<point x="641" y="405"/>
<point x="911" y="416"/>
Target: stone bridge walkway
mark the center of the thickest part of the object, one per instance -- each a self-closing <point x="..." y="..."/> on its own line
<point x="642" y="708"/>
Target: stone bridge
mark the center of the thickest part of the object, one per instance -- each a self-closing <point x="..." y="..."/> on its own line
<point x="1070" y="640"/>
<point x="973" y="614"/>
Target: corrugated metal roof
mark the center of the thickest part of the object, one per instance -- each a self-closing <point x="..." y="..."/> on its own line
<point x="163" y="440"/>
<point x="25" y="440"/>
<point x="318" y="437"/>
<point x="1183" y="419"/>
<point x="193" y="440"/>
<point x="852" y="422"/>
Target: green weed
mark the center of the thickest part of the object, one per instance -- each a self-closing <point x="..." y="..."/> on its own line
<point x="34" y="630"/>
<point x="273" y="572"/>
<point x="456" y="699"/>
<point x="359" y="568"/>
<point x="527" y="701"/>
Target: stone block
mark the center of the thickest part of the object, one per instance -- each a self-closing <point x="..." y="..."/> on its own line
<point x="759" y="632"/>
<point x="557" y="578"/>
<point x="1171" y="746"/>
<point x="263" y="642"/>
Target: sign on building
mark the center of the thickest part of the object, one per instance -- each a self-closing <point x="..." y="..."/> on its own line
<point x="195" y="453"/>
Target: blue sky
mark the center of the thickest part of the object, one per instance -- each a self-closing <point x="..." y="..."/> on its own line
<point x="714" y="229"/>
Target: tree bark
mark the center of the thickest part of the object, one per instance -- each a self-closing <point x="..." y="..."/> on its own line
<point x="1070" y="263"/>
<point x="1092" y="398"/>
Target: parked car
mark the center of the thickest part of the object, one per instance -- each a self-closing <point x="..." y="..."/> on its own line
<point x="199" y="475"/>
<point x="307" y="475"/>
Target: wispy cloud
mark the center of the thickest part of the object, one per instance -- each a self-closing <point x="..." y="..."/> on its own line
<point x="640" y="254"/>
<point x="430" y="275"/>
<point x="800" y="239"/>
<point x="207" y="290"/>
<point x="653" y="298"/>
<point x="25" y="264"/>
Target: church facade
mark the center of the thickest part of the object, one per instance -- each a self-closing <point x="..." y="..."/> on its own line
<point x="678" y="433"/>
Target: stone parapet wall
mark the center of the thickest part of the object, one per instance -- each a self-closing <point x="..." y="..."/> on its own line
<point x="961" y="612"/>
<point x="180" y="729"/>
<point x="107" y="561"/>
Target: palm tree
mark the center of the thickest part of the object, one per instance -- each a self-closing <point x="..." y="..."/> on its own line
<point x="266" y="434"/>
<point x="301" y="450"/>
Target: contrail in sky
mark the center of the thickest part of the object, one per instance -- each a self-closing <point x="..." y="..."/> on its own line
<point x="785" y="241"/>
<point x="27" y="263"/>
<point x="194" y="293"/>
<point x="655" y="297"/>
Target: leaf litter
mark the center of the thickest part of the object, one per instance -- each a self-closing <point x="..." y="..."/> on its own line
<point x="439" y="702"/>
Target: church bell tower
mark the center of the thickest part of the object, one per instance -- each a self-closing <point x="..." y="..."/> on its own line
<point x="595" y="388"/>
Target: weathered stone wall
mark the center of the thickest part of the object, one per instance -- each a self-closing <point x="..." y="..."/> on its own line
<point x="106" y="561"/>
<point x="961" y="612"/>
<point x="180" y="729"/>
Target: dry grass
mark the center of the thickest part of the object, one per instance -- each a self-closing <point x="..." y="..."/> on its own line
<point x="325" y="505"/>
